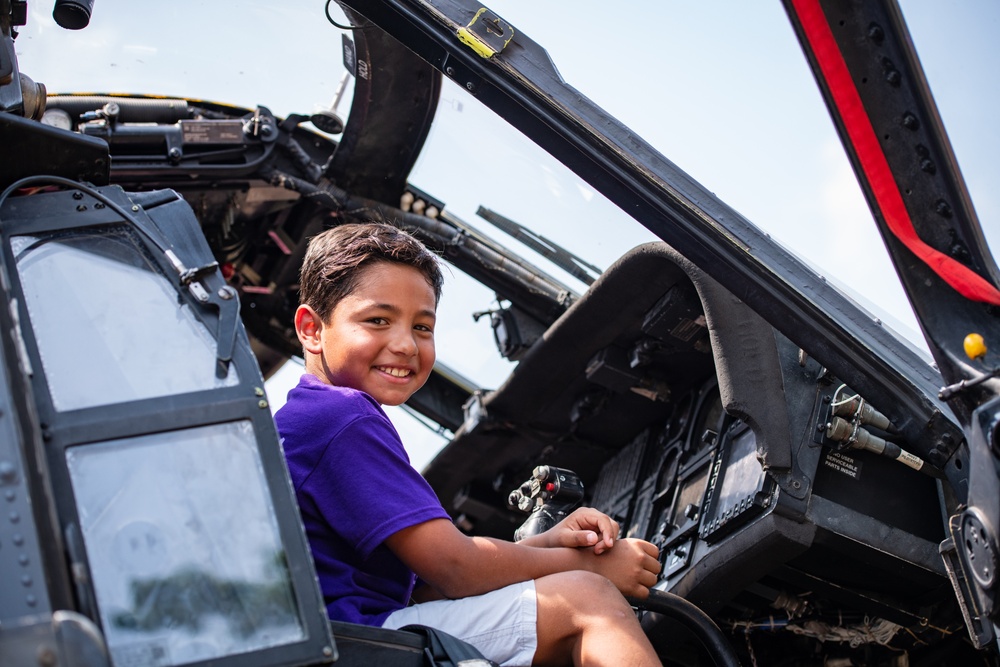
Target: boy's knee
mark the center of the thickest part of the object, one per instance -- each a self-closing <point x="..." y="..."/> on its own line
<point x="583" y="591"/>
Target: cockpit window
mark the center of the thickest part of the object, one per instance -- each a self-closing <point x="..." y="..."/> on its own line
<point x="181" y="572"/>
<point x="109" y="327"/>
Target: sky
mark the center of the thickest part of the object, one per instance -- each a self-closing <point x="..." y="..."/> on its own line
<point x="721" y="88"/>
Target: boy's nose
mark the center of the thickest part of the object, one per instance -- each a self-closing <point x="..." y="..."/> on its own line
<point x="403" y="343"/>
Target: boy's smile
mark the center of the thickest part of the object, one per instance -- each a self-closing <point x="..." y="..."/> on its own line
<point x="379" y="338"/>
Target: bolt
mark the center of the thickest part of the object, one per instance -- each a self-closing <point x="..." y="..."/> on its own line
<point x="471" y="86"/>
<point x="327" y="651"/>
<point x="135" y="208"/>
<point x="99" y="205"/>
<point x="942" y="208"/>
<point x="17" y="539"/>
<point x="875" y="33"/>
<point x="796" y="484"/>
<point x="258" y="391"/>
<point x="893" y="77"/>
<point x="46" y="657"/>
<point x="911" y="122"/>
<point x="14" y="516"/>
<point x="226" y="292"/>
<point x="174" y="154"/>
<point x="261" y="404"/>
<point x="928" y="166"/>
<point x="8" y="473"/>
<point x="450" y="71"/>
<point x="266" y="130"/>
<point x="81" y="207"/>
<point x="936" y="457"/>
<point x="78" y="195"/>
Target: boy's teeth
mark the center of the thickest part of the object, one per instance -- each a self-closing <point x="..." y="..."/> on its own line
<point x="396" y="372"/>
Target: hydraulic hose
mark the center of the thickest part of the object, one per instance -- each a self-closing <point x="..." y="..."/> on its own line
<point x="697" y="622"/>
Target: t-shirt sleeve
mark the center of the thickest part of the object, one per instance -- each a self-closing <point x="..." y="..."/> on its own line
<point x="365" y="488"/>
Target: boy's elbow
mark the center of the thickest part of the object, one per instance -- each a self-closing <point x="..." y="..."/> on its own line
<point x="453" y="590"/>
<point x="454" y="573"/>
<point x="452" y="580"/>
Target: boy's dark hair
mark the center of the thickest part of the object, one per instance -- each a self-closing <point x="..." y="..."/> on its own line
<point x="331" y="267"/>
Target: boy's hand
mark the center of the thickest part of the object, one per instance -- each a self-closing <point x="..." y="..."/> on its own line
<point x="585" y="527"/>
<point x="632" y="566"/>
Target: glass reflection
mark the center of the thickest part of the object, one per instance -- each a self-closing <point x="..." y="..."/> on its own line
<point x="183" y="546"/>
<point x="129" y="338"/>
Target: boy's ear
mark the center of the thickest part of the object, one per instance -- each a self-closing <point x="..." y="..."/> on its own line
<point x="308" y="327"/>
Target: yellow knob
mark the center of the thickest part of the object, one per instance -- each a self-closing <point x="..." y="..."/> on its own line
<point x="975" y="346"/>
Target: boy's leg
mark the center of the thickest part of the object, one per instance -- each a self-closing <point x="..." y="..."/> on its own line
<point x="502" y="624"/>
<point x="584" y="620"/>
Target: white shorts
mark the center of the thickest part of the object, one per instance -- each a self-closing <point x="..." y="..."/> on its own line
<point x="501" y="624"/>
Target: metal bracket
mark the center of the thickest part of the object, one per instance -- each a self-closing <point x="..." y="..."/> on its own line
<point x="487" y="34"/>
<point x="980" y="629"/>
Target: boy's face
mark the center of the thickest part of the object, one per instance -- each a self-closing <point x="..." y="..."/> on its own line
<point x="380" y="337"/>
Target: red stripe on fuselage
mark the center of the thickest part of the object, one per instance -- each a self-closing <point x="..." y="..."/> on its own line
<point x="873" y="162"/>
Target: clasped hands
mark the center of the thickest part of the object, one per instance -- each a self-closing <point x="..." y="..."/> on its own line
<point x="630" y="564"/>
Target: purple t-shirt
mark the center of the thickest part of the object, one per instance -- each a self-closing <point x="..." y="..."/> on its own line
<point x="355" y="487"/>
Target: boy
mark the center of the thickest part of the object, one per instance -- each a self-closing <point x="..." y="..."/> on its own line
<point x="369" y="294"/>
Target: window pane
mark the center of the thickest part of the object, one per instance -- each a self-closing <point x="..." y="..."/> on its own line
<point x="183" y="546"/>
<point x="108" y="323"/>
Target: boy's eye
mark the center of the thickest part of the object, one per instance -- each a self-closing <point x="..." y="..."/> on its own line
<point x="424" y="327"/>
<point x="378" y="320"/>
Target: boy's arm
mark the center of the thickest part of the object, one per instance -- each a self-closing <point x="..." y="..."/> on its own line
<point x="585" y="527"/>
<point x="459" y="566"/>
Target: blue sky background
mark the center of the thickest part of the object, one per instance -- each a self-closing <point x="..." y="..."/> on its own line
<point x="720" y="88"/>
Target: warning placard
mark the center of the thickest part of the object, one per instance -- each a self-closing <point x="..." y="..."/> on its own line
<point x="843" y="463"/>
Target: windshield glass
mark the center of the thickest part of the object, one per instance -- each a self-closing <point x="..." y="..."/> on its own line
<point x="726" y="95"/>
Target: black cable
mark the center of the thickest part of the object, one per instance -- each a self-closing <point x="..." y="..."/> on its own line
<point x="698" y="622"/>
<point x="337" y="25"/>
<point x="152" y="235"/>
